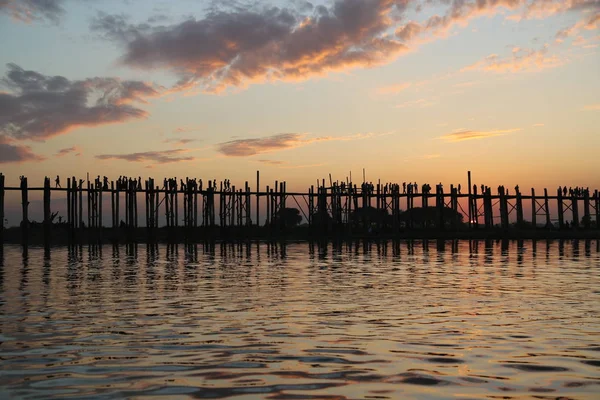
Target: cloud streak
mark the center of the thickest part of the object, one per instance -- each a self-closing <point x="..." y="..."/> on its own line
<point x="69" y="150"/>
<point x="392" y="89"/>
<point x="463" y="135"/>
<point x="592" y="107"/>
<point x="282" y="141"/>
<point x="39" y="106"/>
<point x="157" y="157"/>
<point x="521" y="60"/>
<point x="180" y="142"/>
<point x="30" y="10"/>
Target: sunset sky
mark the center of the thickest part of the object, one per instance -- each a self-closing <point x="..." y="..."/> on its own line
<point x="409" y="90"/>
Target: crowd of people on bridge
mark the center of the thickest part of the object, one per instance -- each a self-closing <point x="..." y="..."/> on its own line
<point x="576" y="191"/>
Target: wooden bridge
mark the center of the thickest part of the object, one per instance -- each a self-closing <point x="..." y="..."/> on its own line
<point x="338" y="204"/>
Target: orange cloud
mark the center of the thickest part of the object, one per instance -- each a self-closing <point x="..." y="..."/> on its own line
<point x="418" y="102"/>
<point x="462" y="135"/>
<point x="393" y="89"/>
<point x="592" y="107"/>
<point x="521" y="60"/>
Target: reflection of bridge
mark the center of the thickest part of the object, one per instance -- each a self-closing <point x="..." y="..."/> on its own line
<point x="337" y="205"/>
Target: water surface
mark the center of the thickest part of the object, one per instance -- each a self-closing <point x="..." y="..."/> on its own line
<point x="424" y="320"/>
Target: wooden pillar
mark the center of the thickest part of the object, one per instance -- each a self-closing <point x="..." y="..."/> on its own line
<point x="99" y="201"/>
<point x="112" y="204"/>
<point x="168" y="205"/>
<point x="69" y="202"/>
<point x="156" y="207"/>
<point x="586" y="210"/>
<point x="469" y="199"/>
<point x="475" y="209"/>
<point x="454" y="206"/>
<point x="487" y="209"/>
<point x="503" y="209"/>
<point x="248" y="220"/>
<point x="117" y="207"/>
<point x="575" y="209"/>
<point x="310" y="205"/>
<point x="134" y="193"/>
<point x="147" y="199"/>
<point x="547" y="208"/>
<point x="561" y="211"/>
<point x="89" y="205"/>
<point x="195" y="205"/>
<point x="221" y="206"/>
<point x="24" y="207"/>
<point x="519" y="210"/>
<point x="2" y="180"/>
<point x="283" y="200"/>
<point x="439" y="202"/>
<point x="597" y="202"/>
<point x="533" y="209"/>
<point x="80" y="219"/>
<point x="47" y="211"/>
<point x="257" y="198"/>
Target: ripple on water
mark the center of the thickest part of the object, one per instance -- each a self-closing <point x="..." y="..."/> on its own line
<point x="444" y="360"/>
<point x="255" y="322"/>
<point x="595" y="363"/>
<point x="535" y="367"/>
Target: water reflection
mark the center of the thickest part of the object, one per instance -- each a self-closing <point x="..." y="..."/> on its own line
<point x="359" y="319"/>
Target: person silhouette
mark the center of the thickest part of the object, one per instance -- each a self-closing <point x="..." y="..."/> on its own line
<point x="57" y="182"/>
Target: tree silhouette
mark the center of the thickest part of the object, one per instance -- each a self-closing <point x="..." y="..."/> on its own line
<point x="290" y="217"/>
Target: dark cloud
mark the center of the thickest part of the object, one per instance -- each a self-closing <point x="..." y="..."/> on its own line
<point x="158" y="157"/>
<point x="40" y="106"/>
<point x="250" y="147"/>
<point x="282" y="141"/>
<point x="69" y="150"/>
<point x="271" y="162"/>
<point x="10" y="152"/>
<point x="241" y="46"/>
<point x="179" y="141"/>
<point x="30" y="10"/>
<point x="117" y="27"/>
